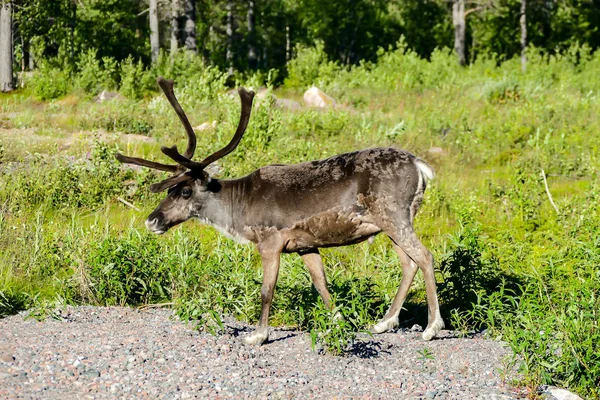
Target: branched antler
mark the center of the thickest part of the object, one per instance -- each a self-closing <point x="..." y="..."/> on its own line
<point x="184" y="161"/>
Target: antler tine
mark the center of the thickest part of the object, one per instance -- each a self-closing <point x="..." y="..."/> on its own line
<point x="167" y="183"/>
<point x="246" y="98"/>
<point x="167" y="88"/>
<point x="146" y="163"/>
<point x="174" y="154"/>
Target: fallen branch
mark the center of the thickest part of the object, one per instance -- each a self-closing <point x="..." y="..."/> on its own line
<point x="548" y="192"/>
<point x="128" y="204"/>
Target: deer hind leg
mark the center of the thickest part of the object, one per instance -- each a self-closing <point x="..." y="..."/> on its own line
<point x="270" y="262"/>
<point x="409" y="270"/>
<point x="407" y="241"/>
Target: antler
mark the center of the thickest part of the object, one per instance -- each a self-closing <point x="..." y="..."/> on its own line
<point x="167" y="88"/>
<point x="246" y="98"/>
<point x="185" y="161"/>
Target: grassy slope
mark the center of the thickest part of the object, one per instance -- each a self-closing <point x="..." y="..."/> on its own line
<point x="505" y="258"/>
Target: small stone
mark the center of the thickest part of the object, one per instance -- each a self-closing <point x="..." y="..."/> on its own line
<point x="92" y="373"/>
<point x="35" y="368"/>
<point x="7" y="358"/>
<point x="430" y="394"/>
<point x="416" y="328"/>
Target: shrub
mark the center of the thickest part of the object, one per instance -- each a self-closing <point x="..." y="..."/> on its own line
<point x="310" y="67"/>
<point x="50" y="82"/>
<point x="94" y="77"/>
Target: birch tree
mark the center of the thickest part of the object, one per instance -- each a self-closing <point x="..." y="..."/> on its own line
<point x="174" y="16"/>
<point x="190" y="25"/>
<point x="251" y="20"/>
<point x="523" y="22"/>
<point x="6" y="47"/>
<point x="460" y="30"/>
<point x="154" y="38"/>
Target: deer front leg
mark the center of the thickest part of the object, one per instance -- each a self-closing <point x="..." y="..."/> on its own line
<point x="314" y="263"/>
<point x="270" y="261"/>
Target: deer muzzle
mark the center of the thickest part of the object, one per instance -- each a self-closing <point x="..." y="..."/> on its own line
<point x="156" y="224"/>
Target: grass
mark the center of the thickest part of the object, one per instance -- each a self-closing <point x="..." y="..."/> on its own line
<point x="505" y="259"/>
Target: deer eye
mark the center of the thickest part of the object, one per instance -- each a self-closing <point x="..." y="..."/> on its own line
<point x="186" y="192"/>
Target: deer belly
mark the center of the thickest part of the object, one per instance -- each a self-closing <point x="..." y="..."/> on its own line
<point x="327" y="229"/>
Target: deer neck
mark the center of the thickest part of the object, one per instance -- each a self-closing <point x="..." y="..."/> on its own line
<point x="224" y="209"/>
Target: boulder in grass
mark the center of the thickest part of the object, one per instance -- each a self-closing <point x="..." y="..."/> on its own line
<point x="206" y="126"/>
<point x="106" y="96"/>
<point x="554" y="393"/>
<point x="315" y="97"/>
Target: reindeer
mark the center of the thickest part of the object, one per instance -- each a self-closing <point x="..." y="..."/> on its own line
<point x="338" y="201"/>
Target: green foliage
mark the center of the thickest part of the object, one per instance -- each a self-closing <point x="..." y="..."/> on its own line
<point x="94" y="77"/>
<point x="131" y="271"/>
<point x="330" y="330"/>
<point x="310" y="66"/>
<point x="67" y="183"/>
<point x="135" y="81"/>
<point x="506" y="261"/>
<point x="50" y="82"/>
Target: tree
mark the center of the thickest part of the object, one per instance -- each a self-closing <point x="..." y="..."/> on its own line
<point x="174" y="15"/>
<point x="154" y="38"/>
<point x="251" y="20"/>
<point x="229" y="55"/>
<point x="6" y="47"/>
<point x="190" y="25"/>
<point x="523" y="21"/>
<point x="460" y="30"/>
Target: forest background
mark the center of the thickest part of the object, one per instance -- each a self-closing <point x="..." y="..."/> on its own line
<point x="500" y="96"/>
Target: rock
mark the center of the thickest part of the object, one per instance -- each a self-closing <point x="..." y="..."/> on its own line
<point x="554" y="393"/>
<point x="315" y="97"/>
<point x="7" y="357"/>
<point x="416" y="328"/>
<point x="206" y="126"/>
<point x="437" y="152"/>
<point x="106" y="95"/>
<point x="92" y="373"/>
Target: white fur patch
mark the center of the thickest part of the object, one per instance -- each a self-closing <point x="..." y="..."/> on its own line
<point x="425" y="169"/>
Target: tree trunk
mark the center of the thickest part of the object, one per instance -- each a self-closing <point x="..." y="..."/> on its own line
<point x="154" y="39"/>
<point x="288" y="44"/>
<point x="229" y="54"/>
<point x="174" y="26"/>
<point x="190" y="25"/>
<point x="458" y="18"/>
<point x="6" y="48"/>
<point x="251" y="35"/>
<point x="523" y="35"/>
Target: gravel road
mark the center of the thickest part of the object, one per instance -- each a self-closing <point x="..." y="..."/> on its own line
<point x="116" y="352"/>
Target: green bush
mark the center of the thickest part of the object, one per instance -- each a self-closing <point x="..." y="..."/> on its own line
<point x="94" y="77"/>
<point x="135" y="79"/>
<point x="49" y="82"/>
<point x="310" y="67"/>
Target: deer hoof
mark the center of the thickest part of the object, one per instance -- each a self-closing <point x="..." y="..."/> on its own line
<point x="433" y="329"/>
<point x="256" y="338"/>
<point x="385" y="325"/>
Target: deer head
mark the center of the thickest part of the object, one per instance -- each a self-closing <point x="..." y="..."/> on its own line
<point x="190" y="185"/>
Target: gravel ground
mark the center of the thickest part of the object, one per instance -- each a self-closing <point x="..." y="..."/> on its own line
<point x="125" y="353"/>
